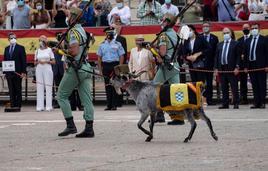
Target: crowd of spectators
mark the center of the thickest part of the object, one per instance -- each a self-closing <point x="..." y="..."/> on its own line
<point x="26" y="14"/>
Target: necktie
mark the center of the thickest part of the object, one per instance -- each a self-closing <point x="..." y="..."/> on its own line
<point x="252" y="52"/>
<point x="207" y="38"/>
<point x="224" y="53"/>
<point x="11" y="49"/>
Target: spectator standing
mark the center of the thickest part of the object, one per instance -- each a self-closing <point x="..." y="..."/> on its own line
<point x="15" y="52"/>
<point x="10" y="6"/>
<point x="88" y="16"/>
<point x="149" y="12"/>
<point x="121" y="11"/>
<point x="44" y="58"/>
<point x="241" y="9"/>
<point x="196" y="49"/>
<point x="40" y="18"/>
<point x="168" y="7"/>
<point x="256" y="8"/>
<point x="256" y="51"/>
<point x="193" y="14"/>
<point x="21" y="16"/>
<point x="226" y="10"/>
<point x="209" y="60"/>
<point x="226" y="59"/>
<point x="110" y="54"/>
<point x="207" y="10"/>
<point x="102" y="8"/>
<point x="141" y="59"/>
<point x="60" y="14"/>
<point x="243" y="77"/>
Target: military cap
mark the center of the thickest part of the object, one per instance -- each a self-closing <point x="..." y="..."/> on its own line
<point x="108" y="29"/>
<point x="75" y="11"/>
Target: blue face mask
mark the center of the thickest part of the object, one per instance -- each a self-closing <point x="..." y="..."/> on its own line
<point x="226" y="37"/>
<point x="20" y="3"/>
<point x="120" y="5"/>
<point x="167" y="1"/>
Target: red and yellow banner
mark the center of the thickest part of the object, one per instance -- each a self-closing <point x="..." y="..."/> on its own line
<point x="29" y="38"/>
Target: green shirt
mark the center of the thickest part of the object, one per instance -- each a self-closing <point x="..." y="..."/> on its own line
<point x="77" y="35"/>
<point x="166" y="38"/>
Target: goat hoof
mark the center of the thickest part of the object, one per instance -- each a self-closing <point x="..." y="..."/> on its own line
<point x="148" y="139"/>
<point x="215" y="137"/>
<point x="186" y="140"/>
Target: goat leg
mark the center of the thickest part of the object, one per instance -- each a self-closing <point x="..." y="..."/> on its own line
<point x="150" y="137"/>
<point x="141" y="121"/>
<point x="189" y="114"/>
<point x="207" y="120"/>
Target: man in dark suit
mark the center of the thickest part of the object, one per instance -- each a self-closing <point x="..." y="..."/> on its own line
<point x="243" y="77"/>
<point x="226" y="59"/>
<point x="256" y="51"/>
<point x="209" y="60"/>
<point x="15" y="52"/>
<point x="123" y="41"/>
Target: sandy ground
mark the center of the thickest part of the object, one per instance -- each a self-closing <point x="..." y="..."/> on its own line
<point x="28" y="141"/>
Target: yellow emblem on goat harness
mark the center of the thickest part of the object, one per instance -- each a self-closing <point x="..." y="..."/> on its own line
<point x="177" y="97"/>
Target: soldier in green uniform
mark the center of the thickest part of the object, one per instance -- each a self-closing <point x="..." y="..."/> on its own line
<point x="75" y="76"/>
<point x="167" y="43"/>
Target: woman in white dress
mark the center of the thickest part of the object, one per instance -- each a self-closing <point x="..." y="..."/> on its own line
<point x="256" y="8"/>
<point x="44" y="58"/>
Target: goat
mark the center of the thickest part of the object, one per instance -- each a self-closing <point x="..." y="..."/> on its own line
<point x="145" y="97"/>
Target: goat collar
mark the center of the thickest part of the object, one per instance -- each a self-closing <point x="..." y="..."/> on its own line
<point x="127" y="83"/>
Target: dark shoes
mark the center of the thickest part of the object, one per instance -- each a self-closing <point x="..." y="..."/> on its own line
<point x="262" y="106"/>
<point x="236" y="106"/>
<point x="88" y="131"/>
<point x="70" y="129"/>
<point x="110" y="108"/>
<point x="224" y="107"/>
<point x="176" y="122"/>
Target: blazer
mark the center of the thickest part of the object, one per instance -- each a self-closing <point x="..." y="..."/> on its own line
<point x="123" y="42"/>
<point x="261" y="53"/>
<point x="241" y="50"/>
<point x="210" y="57"/>
<point x="19" y="56"/>
<point x="232" y="56"/>
<point x="200" y="45"/>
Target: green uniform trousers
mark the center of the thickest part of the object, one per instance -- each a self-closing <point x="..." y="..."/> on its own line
<point x="172" y="77"/>
<point x="68" y="83"/>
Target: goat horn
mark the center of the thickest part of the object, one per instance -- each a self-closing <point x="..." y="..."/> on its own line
<point x="137" y="75"/>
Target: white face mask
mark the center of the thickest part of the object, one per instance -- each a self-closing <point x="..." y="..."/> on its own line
<point x="226" y="37"/>
<point x="120" y="5"/>
<point x="191" y="34"/>
<point x="39" y="7"/>
<point x="41" y="44"/>
<point x="254" y="32"/>
<point x="206" y="29"/>
<point x="12" y="41"/>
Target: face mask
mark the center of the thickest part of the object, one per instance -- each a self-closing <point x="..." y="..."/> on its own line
<point x="12" y="41"/>
<point x="246" y="31"/>
<point x="254" y="32"/>
<point x="167" y="1"/>
<point x="39" y="7"/>
<point x="206" y="29"/>
<point x="21" y="3"/>
<point x="191" y="34"/>
<point x="226" y="37"/>
<point x="110" y="36"/>
<point x="42" y="44"/>
<point x="120" y="5"/>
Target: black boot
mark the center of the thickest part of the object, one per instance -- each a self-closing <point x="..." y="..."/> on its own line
<point x="160" y="117"/>
<point x="70" y="129"/>
<point x="88" y="131"/>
